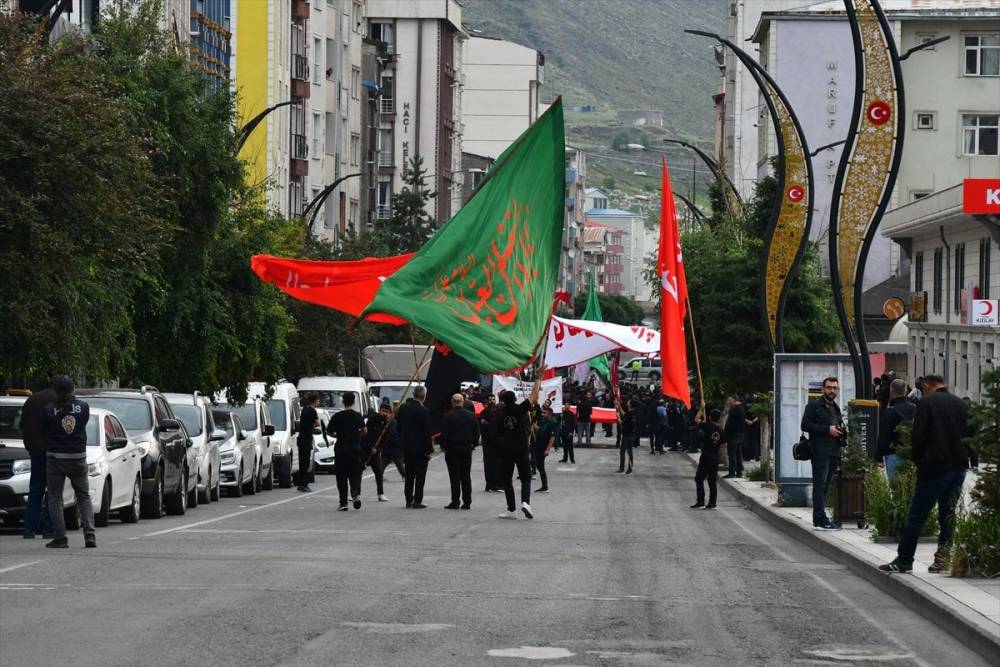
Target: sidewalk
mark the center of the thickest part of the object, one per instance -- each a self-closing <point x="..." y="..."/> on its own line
<point x="967" y="608"/>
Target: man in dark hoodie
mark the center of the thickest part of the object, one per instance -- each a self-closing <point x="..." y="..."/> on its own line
<point x="65" y="424"/>
<point x="900" y="410"/>
<point x="36" y="516"/>
<point x="939" y="425"/>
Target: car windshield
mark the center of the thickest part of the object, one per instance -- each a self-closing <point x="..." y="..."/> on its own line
<point x="10" y="422"/>
<point x="190" y="416"/>
<point x="133" y="413"/>
<point x="392" y="392"/>
<point x="224" y="421"/>
<point x="276" y="409"/>
<point x="247" y="414"/>
<point x="333" y="400"/>
<point x="92" y="439"/>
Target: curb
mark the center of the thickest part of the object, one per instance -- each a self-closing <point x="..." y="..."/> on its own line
<point x="977" y="633"/>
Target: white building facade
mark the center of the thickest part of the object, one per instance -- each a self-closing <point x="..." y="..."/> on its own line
<point x="501" y="95"/>
<point x="638" y="242"/>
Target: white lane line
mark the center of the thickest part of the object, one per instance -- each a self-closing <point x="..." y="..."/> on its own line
<point x="18" y="567"/>
<point x="843" y="598"/>
<point x="295" y="498"/>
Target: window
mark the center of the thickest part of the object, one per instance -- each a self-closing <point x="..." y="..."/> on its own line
<point x="985" y="248"/>
<point x="925" y="120"/>
<point x="355" y="149"/>
<point x="384" y="199"/>
<point x="938" y="278"/>
<point x="982" y="55"/>
<point x="331" y="133"/>
<point x="317" y="68"/>
<point x="918" y="272"/>
<point x="355" y="83"/>
<point x="959" y="277"/>
<point x="979" y="134"/>
<point x="385" y="148"/>
<point x="331" y="60"/>
<point x="383" y="32"/>
<point x="356" y="16"/>
<point x="387" y="102"/>
<point x="317" y="136"/>
<point x="919" y="194"/>
<point x="353" y="213"/>
<point x="924" y="37"/>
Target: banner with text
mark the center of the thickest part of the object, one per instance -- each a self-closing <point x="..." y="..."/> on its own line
<point x="575" y="341"/>
<point x="551" y="389"/>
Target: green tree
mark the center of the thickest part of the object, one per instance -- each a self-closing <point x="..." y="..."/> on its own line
<point x="78" y="210"/>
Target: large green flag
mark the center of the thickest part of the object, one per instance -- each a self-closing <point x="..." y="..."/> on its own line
<point x="592" y="313"/>
<point x="484" y="283"/>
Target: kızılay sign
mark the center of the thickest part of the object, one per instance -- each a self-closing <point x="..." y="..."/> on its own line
<point x="985" y="312"/>
<point x="981" y="196"/>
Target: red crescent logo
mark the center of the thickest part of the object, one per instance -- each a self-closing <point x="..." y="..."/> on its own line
<point x="987" y="308"/>
<point x="879" y="113"/>
<point x="796" y="193"/>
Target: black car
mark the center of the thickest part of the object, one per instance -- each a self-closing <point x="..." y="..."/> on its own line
<point x="169" y="466"/>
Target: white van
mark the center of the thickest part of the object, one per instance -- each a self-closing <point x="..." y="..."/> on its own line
<point x="331" y="389"/>
<point x="284" y="410"/>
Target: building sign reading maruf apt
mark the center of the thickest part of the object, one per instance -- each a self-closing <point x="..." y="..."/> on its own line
<point x="981" y="196"/>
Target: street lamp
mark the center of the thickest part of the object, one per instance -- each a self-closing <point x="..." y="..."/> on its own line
<point x="317" y="203"/>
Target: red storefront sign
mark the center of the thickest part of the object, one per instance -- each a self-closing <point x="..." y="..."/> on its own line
<point x="981" y="196"/>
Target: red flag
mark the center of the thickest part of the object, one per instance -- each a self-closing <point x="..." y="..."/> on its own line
<point x="673" y="297"/>
<point x="345" y="286"/>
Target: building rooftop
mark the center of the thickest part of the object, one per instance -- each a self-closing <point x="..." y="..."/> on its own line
<point x="923" y="214"/>
<point x="613" y="212"/>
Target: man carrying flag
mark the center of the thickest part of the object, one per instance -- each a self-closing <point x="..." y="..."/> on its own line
<point x="673" y="299"/>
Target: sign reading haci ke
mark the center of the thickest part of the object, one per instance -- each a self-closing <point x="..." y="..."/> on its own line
<point x="985" y="312"/>
<point x="981" y="196"/>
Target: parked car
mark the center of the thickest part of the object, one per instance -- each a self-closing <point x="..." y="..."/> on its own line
<point x="114" y="468"/>
<point x="15" y="468"/>
<point x="238" y="454"/>
<point x="331" y="389"/>
<point x="195" y="413"/>
<point x="168" y="459"/>
<point x="257" y="426"/>
<point x="284" y="411"/>
<point x="651" y="369"/>
<point x="324" y="457"/>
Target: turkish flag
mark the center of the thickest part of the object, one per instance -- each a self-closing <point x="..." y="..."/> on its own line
<point x="673" y="297"/>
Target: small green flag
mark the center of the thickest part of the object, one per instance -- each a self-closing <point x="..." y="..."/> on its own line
<point x="592" y="313"/>
<point x="484" y="283"/>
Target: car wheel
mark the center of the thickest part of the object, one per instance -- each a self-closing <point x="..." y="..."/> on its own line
<point x="152" y="505"/>
<point x="206" y="495"/>
<point x="71" y="518"/>
<point x="267" y="481"/>
<point x="257" y="483"/>
<point x="285" y="478"/>
<point x="177" y="502"/>
<point x="130" y="514"/>
<point x="237" y="491"/>
<point x="192" y="500"/>
<point x="101" y="516"/>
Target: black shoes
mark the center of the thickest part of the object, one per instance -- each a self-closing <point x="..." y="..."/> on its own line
<point x="90" y="542"/>
<point x="342" y="508"/>
<point x="58" y="543"/>
<point x="466" y="507"/>
<point x="357" y="502"/>
<point x="827" y="526"/>
<point x="621" y="470"/>
<point x="710" y="506"/>
<point x="629" y="471"/>
<point x="543" y="489"/>
<point x="896" y="566"/>
<point x="451" y="506"/>
<point x="418" y="506"/>
<point x="697" y="505"/>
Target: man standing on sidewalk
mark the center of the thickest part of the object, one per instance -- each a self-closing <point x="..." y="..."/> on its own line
<point x="36" y="515"/>
<point x="459" y="435"/>
<point x="824" y="423"/>
<point x="736" y="424"/>
<point x="900" y="410"/>
<point x="940" y="423"/>
<point x="583" y="412"/>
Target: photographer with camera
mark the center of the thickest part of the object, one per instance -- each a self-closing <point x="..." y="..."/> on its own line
<point x="824" y="423"/>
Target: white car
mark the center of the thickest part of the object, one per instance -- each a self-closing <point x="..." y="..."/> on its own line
<point x="330" y="390"/>
<point x="238" y="454"/>
<point x="15" y="468"/>
<point x="324" y="457"/>
<point x="284" y="411"/>
<point x="114" y="469"/>
<point x="195" y="412"/>
<point x="256" y="426"/>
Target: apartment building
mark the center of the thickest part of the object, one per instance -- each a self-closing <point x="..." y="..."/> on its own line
<point x="603" y="252"/>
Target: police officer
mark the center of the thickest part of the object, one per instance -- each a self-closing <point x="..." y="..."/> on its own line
<point x="414" y="422"/>
<point x="65" y="422"/>
<point x="459" y="436"/>
<point x="708" y="463"/>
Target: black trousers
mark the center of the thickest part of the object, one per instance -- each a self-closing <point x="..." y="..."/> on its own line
<point x="539" y="457"/>
<point x="626" y="446"/>
<point x="490" y="465"/>
<point x="707" y="470"/>
<point x="567" y="442"/>
<point x="375" y="463"/>
<point x="507" y="461"/>
<point x="734" y="450"/>
<point x="305" y="464"/>
<point x="416" y="472"/>
<point x="459" y="463"/>
<point x="396" y="459"/>
<point x="348" y="473"/>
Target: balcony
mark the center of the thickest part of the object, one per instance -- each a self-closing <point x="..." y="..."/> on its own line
<point x="300" y="76"/>
<point x="571" y="175"/>
<point x="385" y="159"/>
<point x="383" y="212"/>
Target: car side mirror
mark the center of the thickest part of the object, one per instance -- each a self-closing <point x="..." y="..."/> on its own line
<point x="241" y="436"/>
<point x="268" y="429"/>
<point x="217" y="436"/>
<point x="188" y="442"/>
<point x="169" y="425"/>
<point x="117" y="443"/>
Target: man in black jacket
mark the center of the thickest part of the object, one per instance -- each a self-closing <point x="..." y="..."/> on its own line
<point x="736" y="424"/>
<point x="65" y="423"/>
<point x="489" y="429"/>
<point x="36" y="515"/>
<point x="514" y="426"/>
<point x="414" y="422"/>
<point x="939" y="425"/>
<point x="824" y="423"/>
<point x="584" y="410"/>
<point x="900" y="410"/>
<point x="708" y="463"/>
<point x="459" y="436"/>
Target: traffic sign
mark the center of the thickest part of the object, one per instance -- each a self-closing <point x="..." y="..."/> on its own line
<point x="893" y="308"/>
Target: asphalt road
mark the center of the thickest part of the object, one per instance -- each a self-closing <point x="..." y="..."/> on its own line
<point x="614" y="570"/>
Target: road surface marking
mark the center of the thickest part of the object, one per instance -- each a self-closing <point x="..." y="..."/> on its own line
<point x="18" y="567"/>
<point x="397" y="628"/>
<point x="532" y="653"/>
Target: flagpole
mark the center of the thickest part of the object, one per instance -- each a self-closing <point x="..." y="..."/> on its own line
<point x="697" y="360"/>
